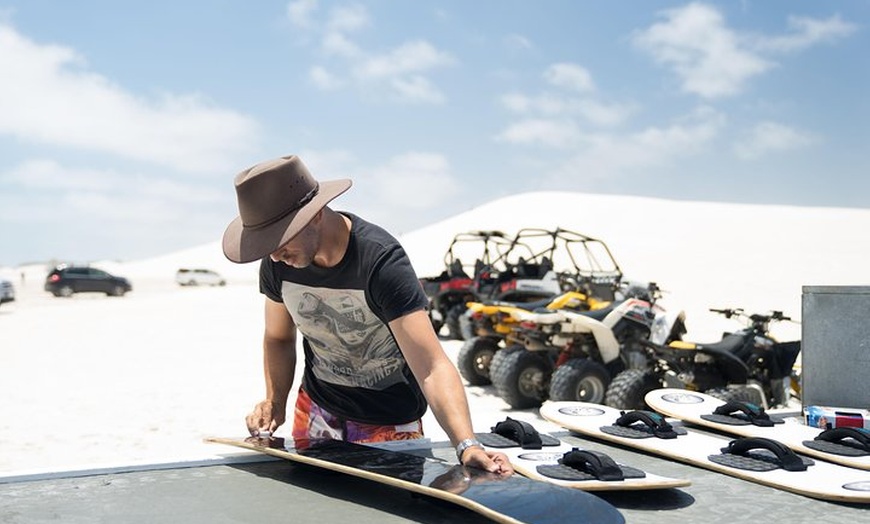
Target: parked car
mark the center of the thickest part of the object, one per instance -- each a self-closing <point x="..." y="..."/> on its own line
<point x="199" y="277"/>
<point x="7" y="291"/>
<point x="64" y="281"/>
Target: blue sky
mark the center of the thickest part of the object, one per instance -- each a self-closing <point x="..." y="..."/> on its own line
<point x="122" y="124"/>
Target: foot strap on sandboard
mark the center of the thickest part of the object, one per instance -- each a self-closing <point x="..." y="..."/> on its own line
<point x="584" y="464"/>
<point x="738" y="413"/>
<point x="847" y="442"/>
<point x="511" y="433"/>
<point x="760" y="454"/>
<point x="642" y="424"/>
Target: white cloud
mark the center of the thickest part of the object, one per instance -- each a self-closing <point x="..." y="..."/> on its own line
<point x="323" y="79"/>
<point x="552" y="105"/>
<point x="299" y="13"/>
<point x="51" y="177"/>
<point x="570" y="76"/>
<point x="49" y="96"/>
<point x="401" y="72"/>
<point x="415" y="180"/>
<point x="607" y="155"/>
<point x="770" y="136"/>
<point x="409" y="57"/>
<point x="707" y="56"/>
<point x="417" y="88"/>
<point x="807" y="32"/>
<point x="336" y="43"/>
<point x="348" y="18"/>
<point x="515" y="41"/>
<point x="107" y="202"/>
<point x="546" y="132"/>
<point x="412" y="180"/>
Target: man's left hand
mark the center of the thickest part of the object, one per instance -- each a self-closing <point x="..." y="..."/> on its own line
<point x="492" y="461"/>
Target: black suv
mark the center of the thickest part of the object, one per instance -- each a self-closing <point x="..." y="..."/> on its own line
<point x="63" y="281"/>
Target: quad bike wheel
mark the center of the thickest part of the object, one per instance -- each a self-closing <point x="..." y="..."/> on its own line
<point x="523" y="379"/>
<point x="474" y="360"/>
<point x="580" y="379"/>
<point x="500" y="357"/>
<point x="740" y="394"/>
<point x="628" y="389"/>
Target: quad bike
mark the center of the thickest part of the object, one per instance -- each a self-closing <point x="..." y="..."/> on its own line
<point x="494" y="324"/>
<point x="572" y="355"/>
<point x="449" y="291"/>
<point x="747" y="365"/>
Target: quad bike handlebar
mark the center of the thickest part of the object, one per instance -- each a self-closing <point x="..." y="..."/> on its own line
<point x="756" y="319"/>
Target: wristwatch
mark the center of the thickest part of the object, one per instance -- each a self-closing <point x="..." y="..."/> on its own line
<point x="465" y="444"/>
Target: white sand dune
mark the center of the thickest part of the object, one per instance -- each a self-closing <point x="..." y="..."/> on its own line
<point x="93" y="381"/>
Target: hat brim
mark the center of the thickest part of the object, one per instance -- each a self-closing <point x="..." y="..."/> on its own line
<point x="242" y="245"/>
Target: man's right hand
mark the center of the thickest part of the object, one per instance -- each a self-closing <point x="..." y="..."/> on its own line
<point x="268" y="415"/>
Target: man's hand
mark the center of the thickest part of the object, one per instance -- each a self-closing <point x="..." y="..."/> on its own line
<point x="268" y="415"/>
<point x="492" y="461"/>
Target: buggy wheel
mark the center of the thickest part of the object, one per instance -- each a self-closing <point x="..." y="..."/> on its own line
<point x="523" y="379"/>
<point x="628" y="389"/>
<point x="436" y="324"/>
<point x="454" y="331"/>
<point x="466" y="327"/>
<point x="474" y="360"/>
<point x="580" y="379"/>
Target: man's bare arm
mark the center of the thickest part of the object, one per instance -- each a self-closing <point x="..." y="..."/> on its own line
<point x="279" y="366"/>
<point x="442" y="387"/>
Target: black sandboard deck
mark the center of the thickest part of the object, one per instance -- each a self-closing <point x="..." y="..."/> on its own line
<point x="544" y="457"/>
<point x="510" y="500"/>
<point x="763" y="461"/>
<point x="845" y="446"/>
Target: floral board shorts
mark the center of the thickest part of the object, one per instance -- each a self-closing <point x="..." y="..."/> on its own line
<point x="312" y="422"/>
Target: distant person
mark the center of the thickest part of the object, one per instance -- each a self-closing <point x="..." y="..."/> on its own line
<point x="373" y="363"/>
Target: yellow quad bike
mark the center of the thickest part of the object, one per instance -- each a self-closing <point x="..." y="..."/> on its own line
<point x="495" y="325"/>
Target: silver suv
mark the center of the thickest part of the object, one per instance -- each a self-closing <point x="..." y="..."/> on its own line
<point x="199" y="277"/>
<point x="7" y="291"/>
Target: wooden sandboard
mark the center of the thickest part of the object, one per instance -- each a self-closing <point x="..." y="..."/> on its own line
<point x="698" y="408"/>
<point x="510" y="500"/>
<point x="821" y="480"/>
<point x="543" y="457"/>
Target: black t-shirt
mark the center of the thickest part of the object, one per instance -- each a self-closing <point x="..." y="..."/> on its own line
<point x="353" y="365"/>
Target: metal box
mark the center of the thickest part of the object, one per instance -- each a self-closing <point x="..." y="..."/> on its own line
<point x="835" y="354"/>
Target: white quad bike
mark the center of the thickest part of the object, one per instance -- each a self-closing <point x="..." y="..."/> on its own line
<point x="571" y="355"/>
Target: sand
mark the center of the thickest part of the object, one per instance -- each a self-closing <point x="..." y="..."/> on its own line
<point x="93" y="381"/>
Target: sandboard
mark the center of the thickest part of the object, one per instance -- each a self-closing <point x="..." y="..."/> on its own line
<point x="543" y="457"/>
<point x="846" y="446"/>
<point x="510" y="500"/>
<point x="741" y="458"/>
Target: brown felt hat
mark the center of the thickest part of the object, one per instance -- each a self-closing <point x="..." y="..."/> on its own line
<point x="277" y="199"/>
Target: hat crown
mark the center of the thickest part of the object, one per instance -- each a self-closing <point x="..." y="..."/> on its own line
<point x="271" y="190"/>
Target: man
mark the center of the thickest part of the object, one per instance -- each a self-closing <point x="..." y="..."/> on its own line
<point x="372" y="360"/>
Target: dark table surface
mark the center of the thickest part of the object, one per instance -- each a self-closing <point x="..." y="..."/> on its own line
<point x="247" y="489"/>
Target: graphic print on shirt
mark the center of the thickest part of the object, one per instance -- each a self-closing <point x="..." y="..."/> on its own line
<point x="350" y="344"/>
